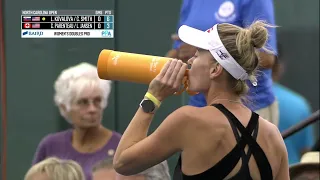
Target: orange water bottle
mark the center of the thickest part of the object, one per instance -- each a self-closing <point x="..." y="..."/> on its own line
<point x="131" y="67"/>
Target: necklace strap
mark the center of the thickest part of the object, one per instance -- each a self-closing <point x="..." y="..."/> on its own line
<point x="229" y="100"/>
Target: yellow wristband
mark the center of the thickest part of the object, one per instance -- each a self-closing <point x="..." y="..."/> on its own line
<point x="153" y="99"/>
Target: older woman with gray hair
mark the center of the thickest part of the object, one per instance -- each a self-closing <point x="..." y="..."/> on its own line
<point x="81" y="97"/>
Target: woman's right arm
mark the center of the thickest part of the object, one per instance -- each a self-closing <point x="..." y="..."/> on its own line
<point x="283" y="173"/>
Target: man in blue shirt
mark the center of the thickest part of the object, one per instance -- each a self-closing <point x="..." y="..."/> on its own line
<point x="293" y="109"/>
<point x="203" y="14"/>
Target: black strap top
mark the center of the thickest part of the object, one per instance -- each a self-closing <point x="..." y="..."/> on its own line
<point x="220" y="170"/>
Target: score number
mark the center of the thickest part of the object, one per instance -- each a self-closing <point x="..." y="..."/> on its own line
<point x="104" y="19"/>
<point x="105" y="26"/>
<point x="106" y="22"/>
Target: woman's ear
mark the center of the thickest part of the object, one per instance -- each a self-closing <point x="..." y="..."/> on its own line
<point x="64" y="111"/>
<point x="215" y="71"/>
<point x="63" y="108"/>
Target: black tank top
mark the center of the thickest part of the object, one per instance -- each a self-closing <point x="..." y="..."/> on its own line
<point x="227" y="163"/>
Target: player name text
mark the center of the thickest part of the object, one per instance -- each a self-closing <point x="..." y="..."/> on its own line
<point x="71" y="18"/>
<point x="71" y="26"/>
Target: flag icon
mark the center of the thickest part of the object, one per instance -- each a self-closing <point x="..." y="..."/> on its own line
<point x="26" y="19"/>
<point x="36" y="18"/>
<point x="37" y="25"/>
<point x="26" y="25"/>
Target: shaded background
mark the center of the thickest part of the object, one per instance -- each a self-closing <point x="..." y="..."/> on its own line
<point x="140" y="27"/>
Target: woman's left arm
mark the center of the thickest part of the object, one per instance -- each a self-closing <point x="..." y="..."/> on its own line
<point x="137" y="151"/>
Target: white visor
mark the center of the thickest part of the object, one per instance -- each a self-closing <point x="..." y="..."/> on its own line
<point x="210" y="41"/>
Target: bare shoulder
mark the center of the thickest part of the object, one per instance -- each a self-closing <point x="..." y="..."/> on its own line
<point x="272" y="133"/>
<point x="194" y="117"/>
<point x="266" y="123"/>
<point x="190" y="113"/>
<point x="184" y="114"/>
<point x="268" y="127"/>
<point x="184" y="111"/>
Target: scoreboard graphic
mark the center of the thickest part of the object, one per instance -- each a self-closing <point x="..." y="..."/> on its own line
<point x="67" y="24"/>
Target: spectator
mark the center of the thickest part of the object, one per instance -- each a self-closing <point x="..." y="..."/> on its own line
<point x="308" y="168"/>
<point x="206" y="13"/>
<point x="55" y="169"/>
<point x="81" y="98"/>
